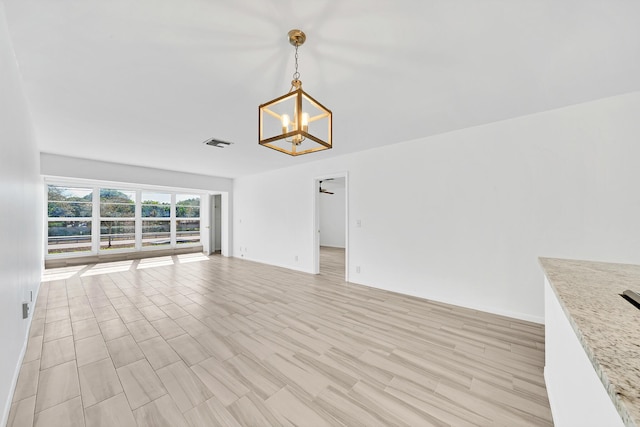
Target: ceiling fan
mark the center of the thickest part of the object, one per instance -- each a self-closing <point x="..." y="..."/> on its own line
<point x="324" y="190"/>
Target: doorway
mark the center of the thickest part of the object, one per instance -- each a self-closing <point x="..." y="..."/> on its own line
<point x="214" y="233"/>
<point x="331" y="226"/>
<point x="216" y="223"/>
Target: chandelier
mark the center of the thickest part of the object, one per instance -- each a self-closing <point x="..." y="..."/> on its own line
<point x="295" y="123"/>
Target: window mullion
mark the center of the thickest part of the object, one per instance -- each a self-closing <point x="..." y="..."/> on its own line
<point x="95" y="220"/>
<point x="138" y="220"/>
<point x="173" y="225"/>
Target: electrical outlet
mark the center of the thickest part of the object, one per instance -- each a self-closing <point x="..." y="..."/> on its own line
<point x="357" y="269"/>
<point x="296" y="257"/>
<point x="25" y="310"/>
<point x="358" y="223"/>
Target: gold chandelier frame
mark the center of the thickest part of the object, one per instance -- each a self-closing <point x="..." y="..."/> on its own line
<point x="306" y="112"/>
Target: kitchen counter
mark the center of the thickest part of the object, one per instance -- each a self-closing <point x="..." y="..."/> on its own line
<point x="606" y="325"/>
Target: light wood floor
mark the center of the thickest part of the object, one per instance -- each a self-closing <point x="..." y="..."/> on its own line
<point x="196" y="341"/>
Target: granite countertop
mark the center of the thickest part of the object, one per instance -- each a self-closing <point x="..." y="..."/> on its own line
<point x="607" y="325"/>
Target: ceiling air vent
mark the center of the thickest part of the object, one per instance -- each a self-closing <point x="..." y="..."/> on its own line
<point x="217" y="143"/>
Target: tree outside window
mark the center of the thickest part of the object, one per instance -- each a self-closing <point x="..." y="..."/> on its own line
<point x="115" y="207"/>
<point x="69" y="212"/>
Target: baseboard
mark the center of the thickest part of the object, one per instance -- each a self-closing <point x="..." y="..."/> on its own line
<point x="493" y="310"/>
<point x="288" y="267"/>
<point x="16" y="374"/>
<point x="500" y="312"/>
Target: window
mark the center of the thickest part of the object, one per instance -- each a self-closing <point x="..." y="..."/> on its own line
<point x="156" y="219"/>
<point x="187" y="219"/>
<point x="156" y="233"/>
<point x="156" y="205"/>
<point x="117" y="219"/>
<point x="69" y="218"/>
<point x="103" y="219"/>
<point x="117" y="234"/>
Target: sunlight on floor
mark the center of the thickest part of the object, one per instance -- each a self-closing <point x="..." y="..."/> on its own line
<point x="61" y="273"/>
<point x="64" y="273"/>
<point x="108" y="267"/>
<point x="185" y="258"/>
<point x="155" y="262"/>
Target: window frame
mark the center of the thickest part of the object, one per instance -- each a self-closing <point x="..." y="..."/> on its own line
<point x="184" y="218"/>
<point x="101" y="218"/>
<point x="159" y="219"/>
<point x="49" y="219"/>
<point x="96" y="219"/>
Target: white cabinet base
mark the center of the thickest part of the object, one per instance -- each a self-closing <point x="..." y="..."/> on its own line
<point x="576" y="394"/>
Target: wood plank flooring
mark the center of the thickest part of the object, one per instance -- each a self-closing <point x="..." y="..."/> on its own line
<point x="194" y="341"/>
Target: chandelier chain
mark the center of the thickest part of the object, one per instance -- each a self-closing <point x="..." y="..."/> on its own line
<point x="296" y="74"/>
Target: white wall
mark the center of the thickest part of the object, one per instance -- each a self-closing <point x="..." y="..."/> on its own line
<point x="467" y="213"/>
<point x="71" y="167"/>
<point x="332" y="214"/>
<point x="20" y="217"/>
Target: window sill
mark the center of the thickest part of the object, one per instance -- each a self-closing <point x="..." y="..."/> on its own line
<point x="120" y="256"/>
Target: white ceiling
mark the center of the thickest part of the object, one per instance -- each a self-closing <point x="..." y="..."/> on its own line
<point x="146" y="82"/>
